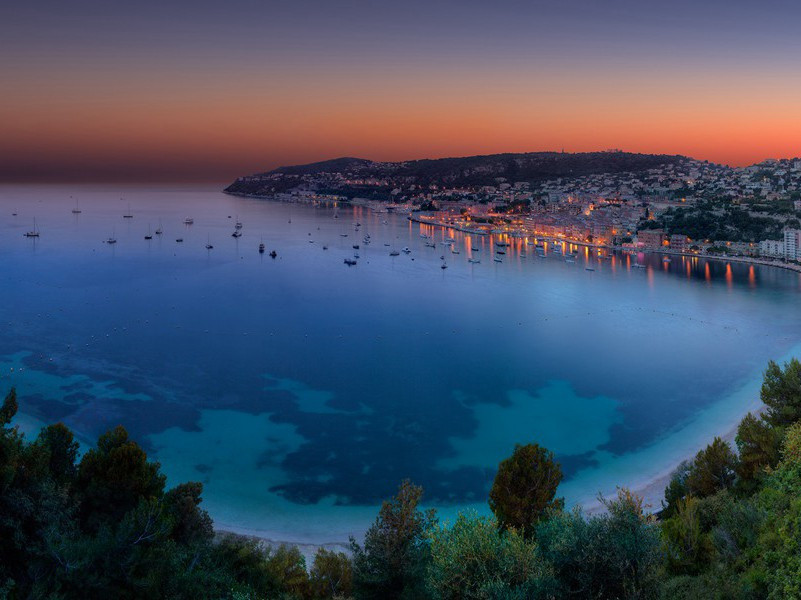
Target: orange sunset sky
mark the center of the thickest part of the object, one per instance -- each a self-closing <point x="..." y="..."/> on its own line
<point x="202" y="92"/>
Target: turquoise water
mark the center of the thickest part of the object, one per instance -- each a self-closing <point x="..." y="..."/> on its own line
<point x="300" y="391"/>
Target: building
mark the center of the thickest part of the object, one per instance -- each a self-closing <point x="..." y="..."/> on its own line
<point x="792" y="243"/>
<point x="679" y="243"/>
<point x="774" y="248"/>
<point x="650" y="238"/>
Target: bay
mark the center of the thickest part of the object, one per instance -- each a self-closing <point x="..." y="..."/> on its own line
<point x="301" y="391"/>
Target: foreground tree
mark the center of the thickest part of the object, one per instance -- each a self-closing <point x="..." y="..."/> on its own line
<point x="472" y="560"/>
<point x="676" y="489"/>
<point x="612" y="555"/>
<point x="331" y="575"/>
<point x="758" y="448"/>
<point x="712" y="469"/>
<point x="781" y="393"/>
<point x="393" y="560"/>
<point x="525" y="488"/>
<point x="114" y="478"/>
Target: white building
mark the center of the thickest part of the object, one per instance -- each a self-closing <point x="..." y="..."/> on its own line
<point x="792" y="243"/>
<point x="771" y="248"/>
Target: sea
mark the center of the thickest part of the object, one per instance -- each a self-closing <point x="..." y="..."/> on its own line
<point x="301" y="390"/>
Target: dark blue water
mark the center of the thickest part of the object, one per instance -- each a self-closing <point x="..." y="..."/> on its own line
<point x="301" y="390"/>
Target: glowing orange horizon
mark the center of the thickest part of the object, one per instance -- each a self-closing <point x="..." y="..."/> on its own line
<point x="150" y="127"/>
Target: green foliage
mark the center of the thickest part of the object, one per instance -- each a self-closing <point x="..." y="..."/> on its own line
<point x="525" y="488"/>
<point x="113" y="478"/>
<point x="62" y="451"/>
<point x="267" y="572"/>
<point x="393" y="561"/>
<point x="687" y="549"/>
<point x="472" y="560"/>
<point x="612" y="555"/>
<point x="712" y="470"/>
<point x="758" y="449"/>
<point x="676" y="488"/>
<point x="781" y="393"/>
<point x="9" y="408"/>
<point x="717" y="221"/>
<point x="331" y="575"/>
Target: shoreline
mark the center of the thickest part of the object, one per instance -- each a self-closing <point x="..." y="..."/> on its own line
<point x="651" y="491"/>
<point x="779" y="264"/>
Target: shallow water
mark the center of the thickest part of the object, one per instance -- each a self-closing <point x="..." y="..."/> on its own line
<point x="301" y="390"/>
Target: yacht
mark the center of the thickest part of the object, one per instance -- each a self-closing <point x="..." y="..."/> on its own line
<point x="394" y="253"/>
<point x="261" y="248"/>
<point x="76" y="210"/>
<point x="350" y="262"/>
<point x="236" y="234"/>
<point x="355" y="246"/>
<point x="589" y="269"/>
<point x="443" y="266"/>
<point x="406" y="250"/>
<point x="430" y="245"/>
<point x="475" y="261"/>
<point x="189" y="221"/>
<point x="496" y="259"/>
<point x="179" y="240"/>
<point x="273" y="254"/>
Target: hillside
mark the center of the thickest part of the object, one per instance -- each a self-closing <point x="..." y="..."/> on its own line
<point x="348" y="175"/>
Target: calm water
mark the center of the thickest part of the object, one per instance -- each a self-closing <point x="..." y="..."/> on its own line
<point x="301" y="390"/>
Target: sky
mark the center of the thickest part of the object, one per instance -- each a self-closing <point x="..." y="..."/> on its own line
<point x="111" y="90"/>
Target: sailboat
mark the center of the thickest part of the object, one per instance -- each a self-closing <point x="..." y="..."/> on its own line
<point x="76" y="210"/>
<point x="261" y="247"/>
<point x="129" y="214"/>
<point x="158" y="229"/>
<point x="34" y="233"/>
<point x="208" y="244"/>
<point x="149" y="235"/>
<point x="111" y="239"/>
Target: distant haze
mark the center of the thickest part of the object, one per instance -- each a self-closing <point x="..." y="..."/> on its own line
<point x="207" y="91"/>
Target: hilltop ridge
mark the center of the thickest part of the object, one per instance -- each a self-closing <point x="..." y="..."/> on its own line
<point x="348" y="174"/>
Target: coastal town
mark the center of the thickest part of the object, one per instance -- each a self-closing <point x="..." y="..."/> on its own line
<point x="681" y="206"/>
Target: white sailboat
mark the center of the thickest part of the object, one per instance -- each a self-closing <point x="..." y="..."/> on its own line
<point x="34" y="233"/>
